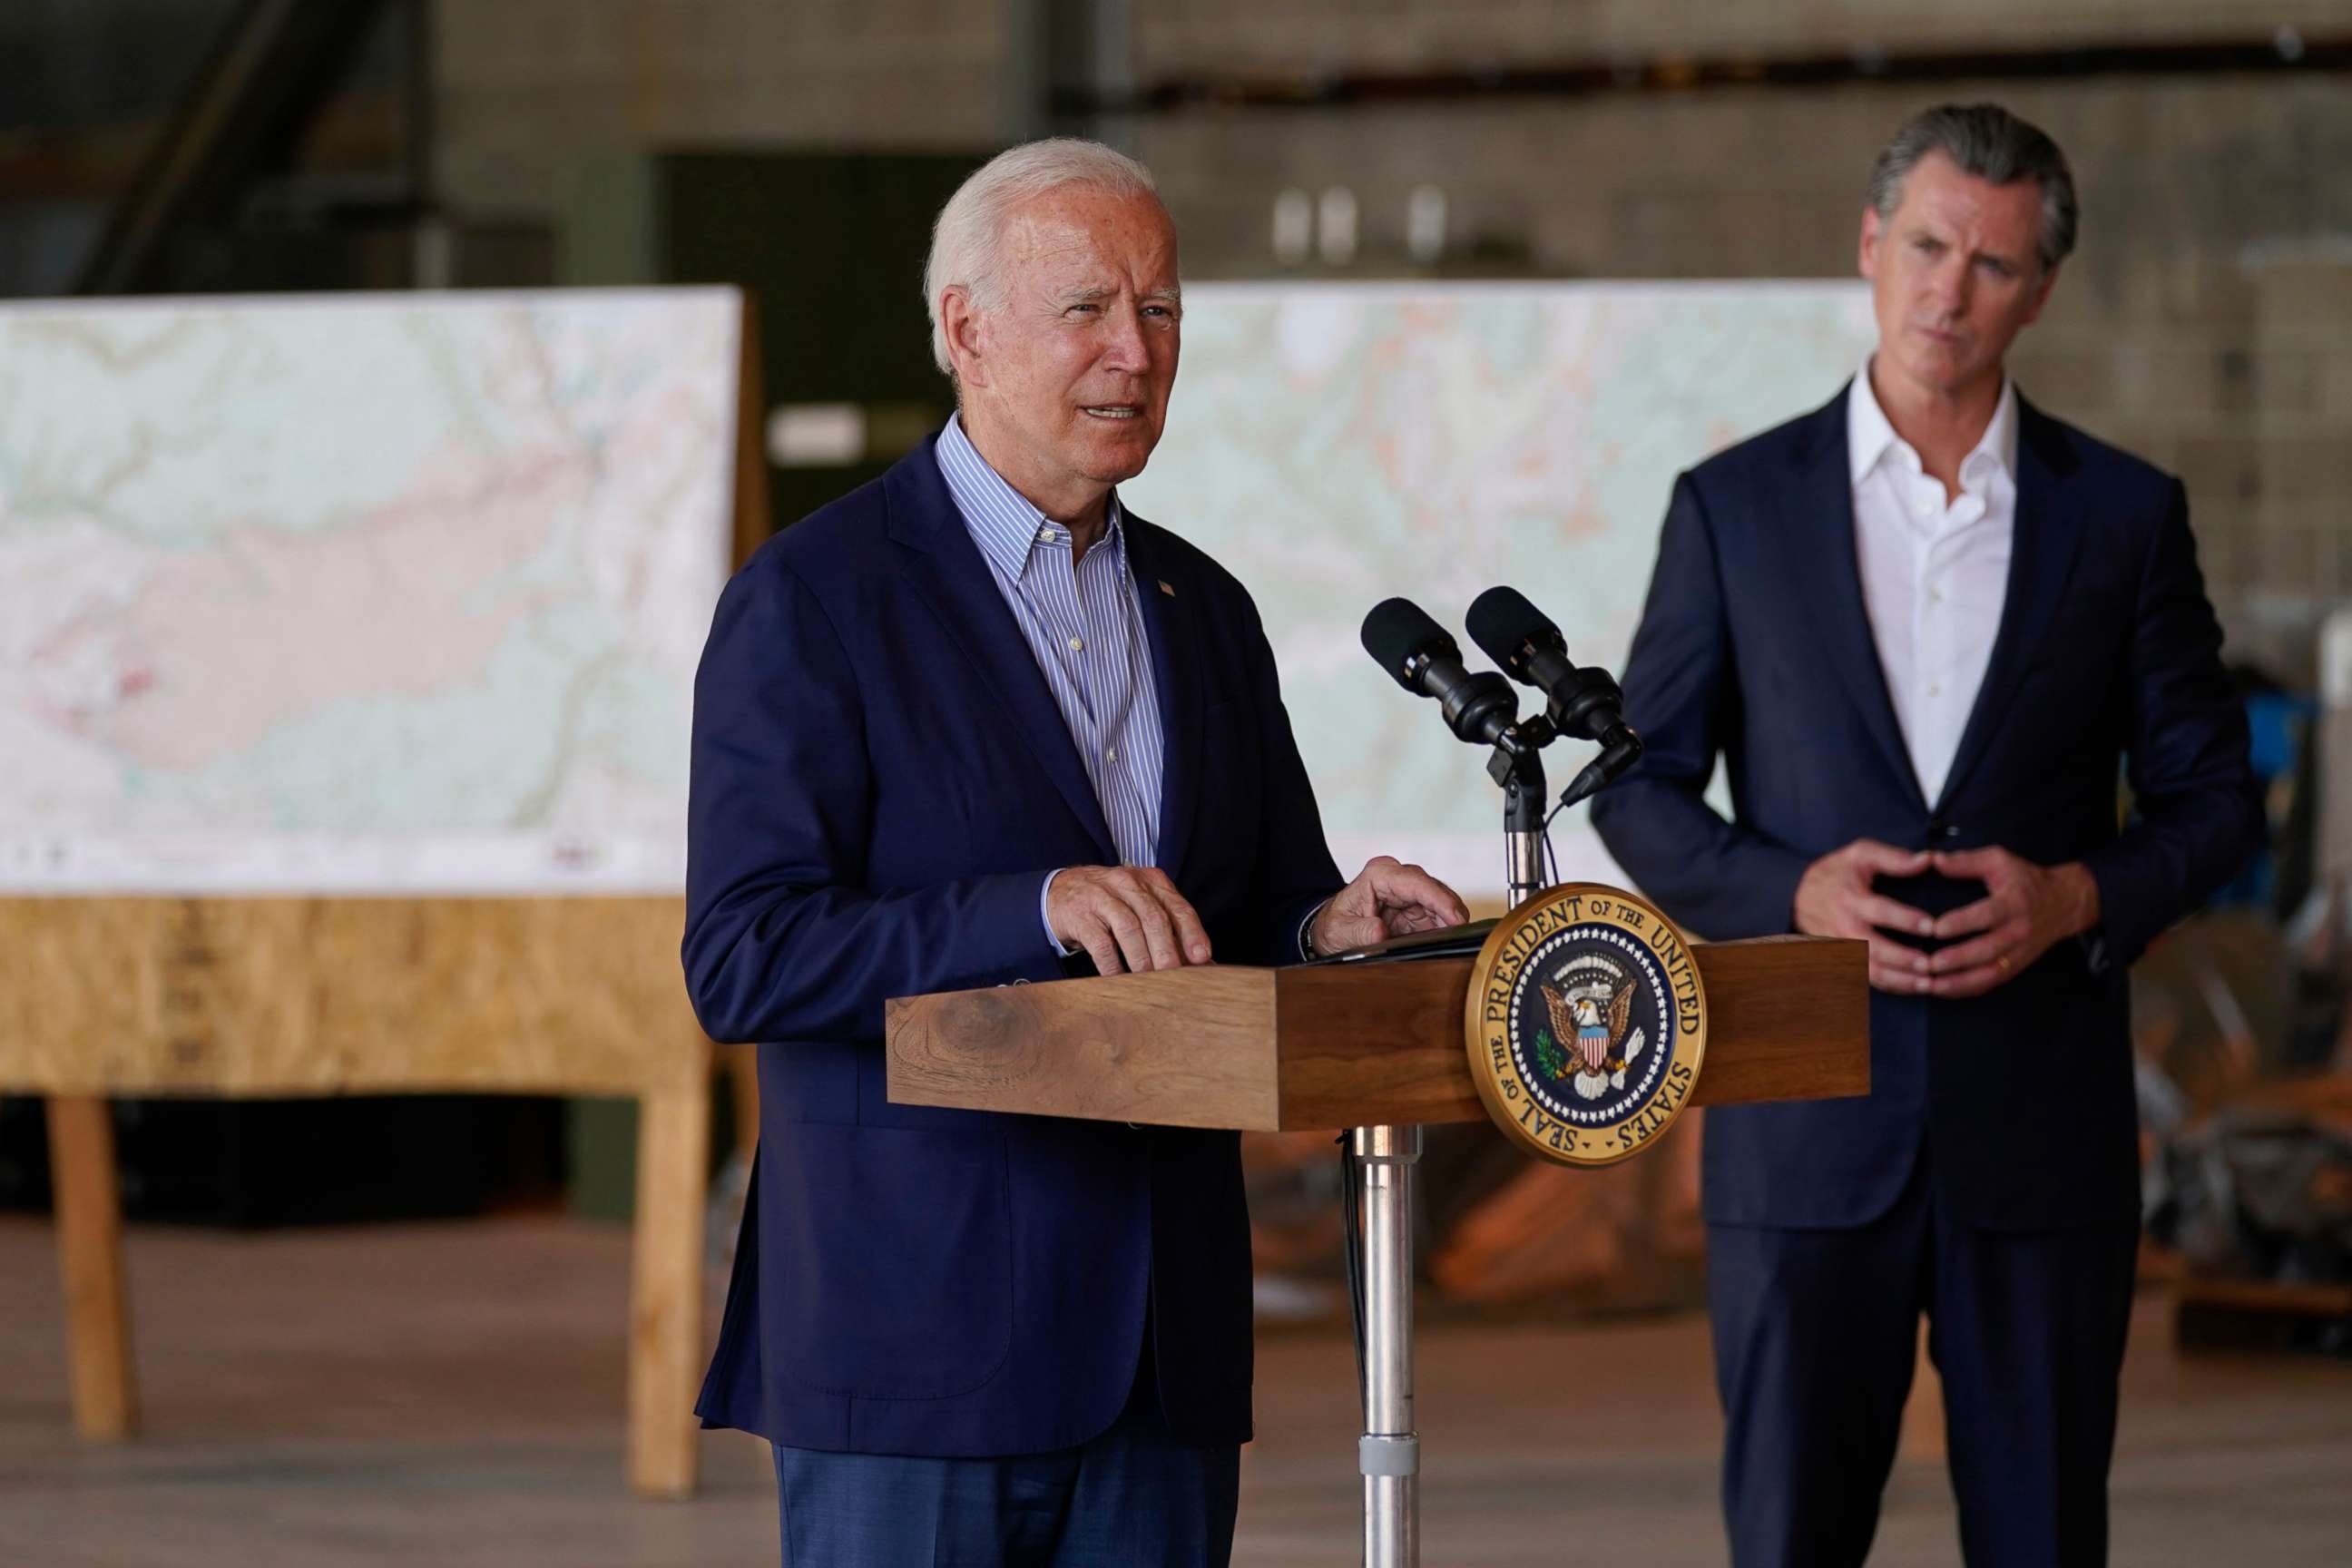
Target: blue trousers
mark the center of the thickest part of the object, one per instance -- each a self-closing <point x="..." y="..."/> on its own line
<point x="1133" y="1498"/>
<point x="1816" y="1335"/>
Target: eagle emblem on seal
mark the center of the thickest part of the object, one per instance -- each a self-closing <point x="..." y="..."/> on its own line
<point x="1591" y="1003"/>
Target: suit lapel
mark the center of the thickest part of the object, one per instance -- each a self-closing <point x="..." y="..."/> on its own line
<point x="1824" y="562"/>
<point x="2042" y="541"/>
<point x="1172" y="624"/>
<point x="949" y="575"/>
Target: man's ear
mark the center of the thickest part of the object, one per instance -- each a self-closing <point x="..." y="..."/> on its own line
<point x="1866" y="249"/>
<point x="966" y="330"/>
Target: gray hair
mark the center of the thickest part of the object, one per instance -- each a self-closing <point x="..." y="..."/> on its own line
<point x="1989" y="142"/>
<point x="967" y="242"/>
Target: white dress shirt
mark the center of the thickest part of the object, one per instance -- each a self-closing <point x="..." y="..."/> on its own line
<point x="1934" y="573"/>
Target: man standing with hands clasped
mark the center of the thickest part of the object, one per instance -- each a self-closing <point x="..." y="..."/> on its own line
<point x="1927" y="627"/>
<point x="976" y="724"/>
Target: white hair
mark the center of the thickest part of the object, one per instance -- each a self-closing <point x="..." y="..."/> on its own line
<point x="968" y="241"/>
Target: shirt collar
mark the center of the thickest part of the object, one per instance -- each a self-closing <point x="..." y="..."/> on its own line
<point x="1001" y="520"/>
<point x="1869" y="435"/>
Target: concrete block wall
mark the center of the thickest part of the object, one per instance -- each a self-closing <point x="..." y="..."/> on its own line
<point x="528" y="92"/>
<point x="2303" y="341"/>
<point x="1297" y="36"/>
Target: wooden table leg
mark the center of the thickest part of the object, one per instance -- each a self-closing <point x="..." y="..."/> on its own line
<point x="742" y="1063"/>
<point x="1923" y="1414"/>
<point x="666" y="1296"/>
<point x="89" y="1259"/>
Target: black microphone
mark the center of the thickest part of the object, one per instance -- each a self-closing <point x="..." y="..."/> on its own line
<point x="1581" y="703"/>
<point x="1480" y="708"/>
<point x="1602" y="770"/>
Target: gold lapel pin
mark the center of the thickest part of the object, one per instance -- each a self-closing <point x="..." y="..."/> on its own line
<point x="1166" y="589"/>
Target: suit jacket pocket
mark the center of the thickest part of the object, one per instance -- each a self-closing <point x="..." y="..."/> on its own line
<point x="888" y="1254"/>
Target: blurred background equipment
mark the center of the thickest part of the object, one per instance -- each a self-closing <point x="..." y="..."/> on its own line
<point x="2246" y="1054"/>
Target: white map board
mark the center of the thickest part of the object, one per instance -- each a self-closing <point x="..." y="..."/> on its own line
<point x="358" y="593"/>
<point x="1336" y="444"/>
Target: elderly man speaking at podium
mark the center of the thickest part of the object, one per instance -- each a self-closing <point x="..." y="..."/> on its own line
<point x="975" y="724"/>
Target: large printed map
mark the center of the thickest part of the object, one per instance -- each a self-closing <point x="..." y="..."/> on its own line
<point x="1337" y="444"/>
<point x="358" y="593"/>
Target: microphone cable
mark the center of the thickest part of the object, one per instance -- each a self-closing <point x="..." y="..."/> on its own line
<point x="1351" y="1227"/>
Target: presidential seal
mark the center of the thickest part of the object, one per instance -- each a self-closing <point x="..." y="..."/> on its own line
<point x="1586" y="1023"/>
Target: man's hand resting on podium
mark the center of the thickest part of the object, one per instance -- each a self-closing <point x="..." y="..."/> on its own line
<point x="1126" y="917"/>
<point x="1386" y="900"/>
<point x="1131" y="917"/>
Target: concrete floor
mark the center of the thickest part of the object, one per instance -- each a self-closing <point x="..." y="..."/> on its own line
<point x="452" y="1395"/>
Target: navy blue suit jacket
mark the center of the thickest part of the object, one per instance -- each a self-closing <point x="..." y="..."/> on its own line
<point x="1754" y="644"/>
<point x="881" y="780"/>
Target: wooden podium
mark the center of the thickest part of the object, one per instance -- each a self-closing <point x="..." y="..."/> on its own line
<point x="1378" y="1049"/>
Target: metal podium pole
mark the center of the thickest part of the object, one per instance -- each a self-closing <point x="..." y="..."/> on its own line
<point x="1526" y="866"/>
<point x="1389" y="1452"/>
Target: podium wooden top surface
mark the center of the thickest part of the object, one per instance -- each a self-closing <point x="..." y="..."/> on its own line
<point x="1343" y="1045"/>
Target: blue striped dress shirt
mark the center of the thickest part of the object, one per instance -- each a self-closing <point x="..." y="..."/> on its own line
<point x="1083" y="624"/>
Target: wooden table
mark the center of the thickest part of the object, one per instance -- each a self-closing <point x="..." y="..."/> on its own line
<point x="282" y="997"/>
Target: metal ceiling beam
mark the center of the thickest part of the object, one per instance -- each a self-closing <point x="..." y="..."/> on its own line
<point x="2284" y="54"/>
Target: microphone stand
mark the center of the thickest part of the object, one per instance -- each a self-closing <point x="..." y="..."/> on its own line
<point x="1517" y="764"/>
<point x="1381" y="1161"/>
